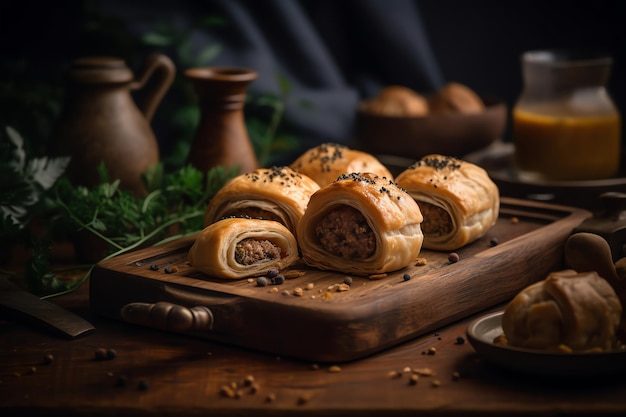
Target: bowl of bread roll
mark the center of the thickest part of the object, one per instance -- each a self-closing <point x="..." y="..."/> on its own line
<point x="453" y="120"/>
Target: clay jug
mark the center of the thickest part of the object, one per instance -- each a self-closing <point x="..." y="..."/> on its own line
<point x="101" y="122"/>
<point x="221" y="137"/>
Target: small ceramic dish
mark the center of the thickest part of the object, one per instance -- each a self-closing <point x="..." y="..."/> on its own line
<point x="482" y="332"/>
<point x="453" y="134"/>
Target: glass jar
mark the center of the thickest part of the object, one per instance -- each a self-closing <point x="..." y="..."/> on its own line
<point x="565" y="125"/>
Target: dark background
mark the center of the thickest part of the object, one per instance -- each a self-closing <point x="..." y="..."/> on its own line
<point x="333" y="53"/>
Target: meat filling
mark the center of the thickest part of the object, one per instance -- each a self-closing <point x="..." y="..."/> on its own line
<point x="252" y="251"/>
<point x="344" y="232"/>
<point x="437" y="221"/>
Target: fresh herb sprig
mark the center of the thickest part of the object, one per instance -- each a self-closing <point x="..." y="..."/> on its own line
<point x="173" y="208"/>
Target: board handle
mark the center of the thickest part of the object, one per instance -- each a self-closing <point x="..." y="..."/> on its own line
<point x="169" y="317"/>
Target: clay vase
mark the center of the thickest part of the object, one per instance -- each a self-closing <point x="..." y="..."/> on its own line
<point x="221" y="137"/>
<point x="101" y="122"/>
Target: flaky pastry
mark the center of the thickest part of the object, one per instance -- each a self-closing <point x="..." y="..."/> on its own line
<point x="239" y="247"/>
<point x="276" y="193"/>
<point x="459" y="201"/>
<point x="567" y="310"/>
<point x="360" y="224"/>
<point x="326" y="162"/>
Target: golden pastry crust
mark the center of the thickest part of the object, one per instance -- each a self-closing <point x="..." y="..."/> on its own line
<point x="396" y="101"/>
<point x="577" y="311"/>
<point x="455" y="98"/>
<point x="387" y="218"/>
<point x="459" y="201"/>
<point x="326" y="162"/>
<point x="276" y="193"/>
<point x="220" y="250"/>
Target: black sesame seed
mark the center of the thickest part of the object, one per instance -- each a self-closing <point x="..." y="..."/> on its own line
<point x="143" y="385"/>
<point x="154" y="267"/>
<point x="493" y="241"/>
<point x="262" y="282"/>
<point x="347" y="280"/>
<point x="100" y="354"/>
<point x="272" y="273"/>
<point x="460" y="340"/>
<point x="121" y="381"/>
<point x="168" y="270"/>
<point x="406" y="277"/>
<point x="48" y="359"/>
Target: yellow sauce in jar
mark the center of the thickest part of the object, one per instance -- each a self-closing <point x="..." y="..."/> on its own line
<point x="566" y="147"/>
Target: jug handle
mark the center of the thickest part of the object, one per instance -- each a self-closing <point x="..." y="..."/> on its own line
<point x="164" y="70"/>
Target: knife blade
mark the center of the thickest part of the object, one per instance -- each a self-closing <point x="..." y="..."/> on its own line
<point x="27" y="307"/>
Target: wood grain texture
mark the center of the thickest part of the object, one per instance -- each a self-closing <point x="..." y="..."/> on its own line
<point x="330" y="326"/>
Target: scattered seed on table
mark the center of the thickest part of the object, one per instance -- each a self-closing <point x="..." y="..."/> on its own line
<point x="100" y="354"/>
<point x="453" y="257"/>
<point x="154" y="267"/>
<point x="254" y="388"/>
<point x="494" y="241"/>
<point x="420" y="262"/>
<point x="168" y="270"/>
<point x="278" y="280"/>
<point x="456" y="376"/>
<point x="460" y="340"/>
<point x="406" y="277"/>
<point x="436" y="383"/>
<point x="227" y="391"/>
<point x="138" y="264"/>
<point x="48" y="359"/>
<point x="143" y="385"/>
<point x="248" y="380"/>
<point x="270" y="398"/>
<point x="298" y="292"/>
<point x="394" y="374"/>
<point x="121" y="381"/>
<point x="111" y="354"/>
<point x="309" y="286"/>
<point x="32" y="370"/>
<point x="431" y="350"/>
<point x="272" y="273"/>
<point x="414" y="379"/>
<point x="347" y="280"/>
<point x="514" y="219"/>
<point x="334" y="369"/>
<point x="262" y="282"/>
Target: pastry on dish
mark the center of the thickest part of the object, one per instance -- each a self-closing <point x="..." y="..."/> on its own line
<point x="240" y="247"/>
<point x="325" y="162"/>
<point x="360" y="224"/>
<point x="459" y="201"/>
<point x="567" y="311"/>
<point x="276" y="193"/>
<point x="396" y="101"/>
<point x="455" y="98"/>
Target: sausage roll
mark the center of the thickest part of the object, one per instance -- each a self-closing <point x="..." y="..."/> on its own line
<point x="325" y="162"/>
<point x="459" y="201"/>
<point x="567" y="311"/>
<point x="276" y="193"/>
<point x="360" y="224"/>
<point x="240" y="247"/>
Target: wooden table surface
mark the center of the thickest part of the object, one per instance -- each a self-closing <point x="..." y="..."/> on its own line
<point x="157" y="373"/>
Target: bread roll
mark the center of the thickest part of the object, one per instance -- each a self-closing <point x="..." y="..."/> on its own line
<point x="566" y="311"/>
<point x="455" y="98"/>
<point x="325" y="162"/>
<point x="276" y="193"/>
<point x="458" y="200"/>
<point x="234" y="248"/>
<point x="360" y="224"/>
<point x="396" y="101"/>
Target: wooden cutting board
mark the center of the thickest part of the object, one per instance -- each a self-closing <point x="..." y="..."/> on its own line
<point x="156" y="287"/>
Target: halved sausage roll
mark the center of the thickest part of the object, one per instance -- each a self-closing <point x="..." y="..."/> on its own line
<point x="360" y="224"/>
<point x="325" y="162"/>
<point x="459" y="201"/>
<point x="239" y="247"/>
<point x="276" y="193"/>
